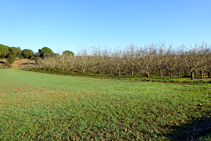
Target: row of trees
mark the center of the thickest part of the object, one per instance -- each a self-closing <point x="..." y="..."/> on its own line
<point x="12" y="52"/>
<point x="155" y="59"/>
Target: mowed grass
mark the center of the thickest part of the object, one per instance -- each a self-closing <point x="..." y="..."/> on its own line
<point x="153" y="78"/>
<point x="38" y="106"/>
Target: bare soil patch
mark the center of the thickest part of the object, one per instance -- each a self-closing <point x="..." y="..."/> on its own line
<point x="16" y="64"/>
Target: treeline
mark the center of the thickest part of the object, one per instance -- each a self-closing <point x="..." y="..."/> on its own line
<point x="154" y="59"/>
<point x="11" y="53"/>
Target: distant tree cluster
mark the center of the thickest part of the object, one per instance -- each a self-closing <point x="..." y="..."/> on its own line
<point x="10" y="53"/>
<point x="154" y="59"/>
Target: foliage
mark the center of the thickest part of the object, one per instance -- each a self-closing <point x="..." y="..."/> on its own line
<point x="11" y="58"/>
<point x="45" y="51"/>
<point x="78" y="108"/>
<point x="16" y="51"/>
<point x="27" y="53"/>
<point x="4" y="50"/>
<point x="7" y="64"/>
<point x="37" y="54"/>
<point x="68" y="52"/>
<point x="56" y="54"/>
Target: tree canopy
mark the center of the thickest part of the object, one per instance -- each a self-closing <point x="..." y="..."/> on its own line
<point x="45" y="51"/>
<point x="16" y="51"/>
<point x="27" y="53"/>
<point x="68" y="52"/>
<point x="4" y="50"/>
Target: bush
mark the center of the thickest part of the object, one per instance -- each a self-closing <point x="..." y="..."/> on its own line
<point x="11" y="58"/>
<point x="7" y="64"/>
<point x="37" y="60"/>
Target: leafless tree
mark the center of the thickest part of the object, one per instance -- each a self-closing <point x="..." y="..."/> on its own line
<point x="170" y="61"/>
<point x="159" y="59"/>
<point x="193" y="60"/>
<point x="83" y="60"/>
<point x="117" y="61"/>
<point x="204" y="57"/>
<point x="145" y="58"/>
<point x="130" y="59"/>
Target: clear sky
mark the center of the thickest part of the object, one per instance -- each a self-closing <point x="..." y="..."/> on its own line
<point x="72" y="24"/>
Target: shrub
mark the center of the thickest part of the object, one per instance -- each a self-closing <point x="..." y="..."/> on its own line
<point x="37" y="60"/>
<point x="11" y="58"/>
<point x="7" y="64"/>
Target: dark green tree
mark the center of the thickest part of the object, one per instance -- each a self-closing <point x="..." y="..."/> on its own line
<point x="68" y="52"/>
<point x="16" y="51"/>
<point x="11" y="58"/>
<point x="27" y="53"/>
<point x="45" y="51"/>
<point x="37" y="54"/>
<point x="4" y="51"/>
<point x="56" y="54"/>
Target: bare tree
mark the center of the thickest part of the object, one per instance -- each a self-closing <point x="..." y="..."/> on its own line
<point x="130" y="59"/>
<point x="98" y="60"/>
<point x="117" y="60"/>
<point x="170" y="61"/>
<point x="193" y="60"/>
<point x="83" y="60"/>
<point x="145" y="58"/>
<point x="159" y="59"/>
<point x="204" y="53"/>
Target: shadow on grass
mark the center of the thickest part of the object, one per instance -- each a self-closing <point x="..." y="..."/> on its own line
<point x="190" y="131"/>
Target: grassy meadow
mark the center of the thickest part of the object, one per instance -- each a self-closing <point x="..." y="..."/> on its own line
<point x="40" y="106"/>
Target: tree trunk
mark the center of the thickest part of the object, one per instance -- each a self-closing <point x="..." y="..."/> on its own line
<point x="178" y="73"/>
<point x="170" y="73"/>
<point x="83" y="71"/>
<point x="160" y="73"/>
<point x="201" y="73"/>
<point x="147" y="74"/>
<point x="185" y="73"/>
<point x="192" y="75"/>
<point x="208" y="74"/>
<point x="131" y="72"/>
<point x="166" y="72"/>
<point x="119" y="73"/>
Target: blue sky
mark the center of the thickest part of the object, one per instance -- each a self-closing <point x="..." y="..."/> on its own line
<point x="72" y="24"/>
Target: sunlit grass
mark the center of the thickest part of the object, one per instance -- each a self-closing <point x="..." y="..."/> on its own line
<point x="153" y="78"/>
<point x="53" y="107"/>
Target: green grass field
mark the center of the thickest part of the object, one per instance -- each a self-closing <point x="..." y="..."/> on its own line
<point x="175" y="79"/>
<point x="39" y="106"/>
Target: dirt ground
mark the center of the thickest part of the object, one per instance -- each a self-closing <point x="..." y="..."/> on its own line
<point x="24" y="63"/>
<point x="17" y="64"/>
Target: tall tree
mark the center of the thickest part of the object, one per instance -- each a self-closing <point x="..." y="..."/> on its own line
<point x="16" y="51"/>
<point x="45" y="51"/>
<point x="27" y="53"/>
